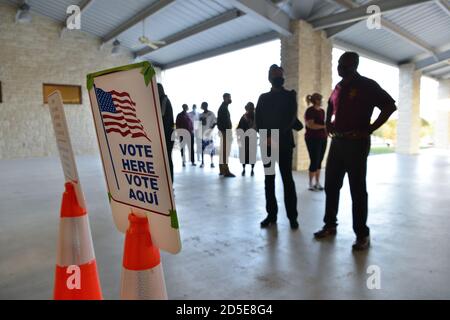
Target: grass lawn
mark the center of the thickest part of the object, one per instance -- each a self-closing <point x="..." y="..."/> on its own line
<point x="385" y="149"/>
<point x="381" y="150"/>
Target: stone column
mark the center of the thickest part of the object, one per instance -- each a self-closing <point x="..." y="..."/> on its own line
<point x="306" y="58"/>
<point x="442" y="124"/>
<point x="408" y="125"/>
<point x="159" y="75"/>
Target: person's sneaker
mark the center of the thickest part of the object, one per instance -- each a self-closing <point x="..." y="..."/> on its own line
<point x="243" y="173"/>
<point x="325" y="232"/>
<point x="318" y="187"/>
<point x="267" y="222"/>
<point x="212" y="165"/>
<point x="361" y="243"/>
<point x="252" y="173"/>
<point x="311" y="188"/>
<point x="194" y="164"/>
<point x="184" y="164"/>
<point x="202" y="165"/>
<point x="294" y="224"/>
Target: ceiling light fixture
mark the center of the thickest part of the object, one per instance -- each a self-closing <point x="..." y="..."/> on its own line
<point x="23" y="14"/>
<point x="116" y="48"/>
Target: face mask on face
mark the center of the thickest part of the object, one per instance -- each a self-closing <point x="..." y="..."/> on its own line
<point x="278" y="82"/>
<point x="345" y="71"/>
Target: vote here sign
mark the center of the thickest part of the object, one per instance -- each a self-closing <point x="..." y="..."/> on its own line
<point x="66" y="155"/>
<point x="128" y="122"/>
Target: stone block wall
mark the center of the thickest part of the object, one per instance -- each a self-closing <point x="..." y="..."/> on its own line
<point x="33" y="54"/>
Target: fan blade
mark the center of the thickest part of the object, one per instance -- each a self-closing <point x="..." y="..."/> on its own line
<point x="152" y="45"/>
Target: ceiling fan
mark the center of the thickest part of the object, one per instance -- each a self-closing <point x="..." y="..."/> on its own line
<point x="146" y="41"/>
<point x="296" y="9"/>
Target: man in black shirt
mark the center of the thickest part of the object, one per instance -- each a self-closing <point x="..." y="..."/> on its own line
<point x="224" y="124"/>
<point x="277" y="109"/>
<point x="349" y="114"/>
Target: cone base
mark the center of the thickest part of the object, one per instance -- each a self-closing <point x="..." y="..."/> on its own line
<point x="84" y="282"/>
<point x="143" y="285"/>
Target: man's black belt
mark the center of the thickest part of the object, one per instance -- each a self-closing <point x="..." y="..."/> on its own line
<point x="352" y="135"/>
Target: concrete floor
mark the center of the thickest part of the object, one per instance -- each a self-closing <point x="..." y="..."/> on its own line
<point x="225" y="254"/>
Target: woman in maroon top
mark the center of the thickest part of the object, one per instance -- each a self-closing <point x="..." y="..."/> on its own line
<point x="316" y="138"/>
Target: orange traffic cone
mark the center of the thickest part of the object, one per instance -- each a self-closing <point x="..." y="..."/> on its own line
<point x="142" y="273"/>
<point x="76" y="276"/>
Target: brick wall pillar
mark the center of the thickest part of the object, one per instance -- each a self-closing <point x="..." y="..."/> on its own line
<point x="442" y="124"/>
<point x="32" y="54"/>
<point x="306" y="58"/>
<point x="408" y="126"/>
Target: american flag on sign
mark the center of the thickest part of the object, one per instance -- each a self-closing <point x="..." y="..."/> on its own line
<point x="118" y="113"/>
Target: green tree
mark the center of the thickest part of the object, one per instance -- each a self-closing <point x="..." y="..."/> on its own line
<point x="389" y="130"/>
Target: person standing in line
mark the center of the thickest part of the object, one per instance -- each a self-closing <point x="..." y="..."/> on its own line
<point x="277" y="109"/>
<point x="195" y="117"/>
<point x="315" y="138"/>
<point x="348" y="121"/>
<point x="224" y="124"/>
<point x="246" y="123"/>
<point x="208" y="121"/>
<point x="184" y="122"/>
<point x="168" y="123"/>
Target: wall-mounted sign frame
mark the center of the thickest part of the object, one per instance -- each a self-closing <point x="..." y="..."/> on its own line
<point x="71" y="94"/>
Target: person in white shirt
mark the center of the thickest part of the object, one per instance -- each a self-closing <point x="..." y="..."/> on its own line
<point x="195" y="118"/>
<point x="208" y="122"/>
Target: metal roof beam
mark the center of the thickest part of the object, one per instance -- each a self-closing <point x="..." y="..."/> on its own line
<point x="396" y="30"/>
<point x="346" y="3"/>
<point x="388" y="26"/>
<point x="333" y="31"/>
<point x="266" y="12"/>
<point x="201" y="27"/>
<point x="435" y="67"/>
<point x="444" y="5"/>
<point x="145" y="13"/>
<point x="439" y="73"/>
<point x="364" y="52"/>
<point x="360" y="13"/>
<point x="443" y="74"/>
<point x="85" y="4"/>
<point x="440" y="57"/>
<point x="225" y="49"/>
